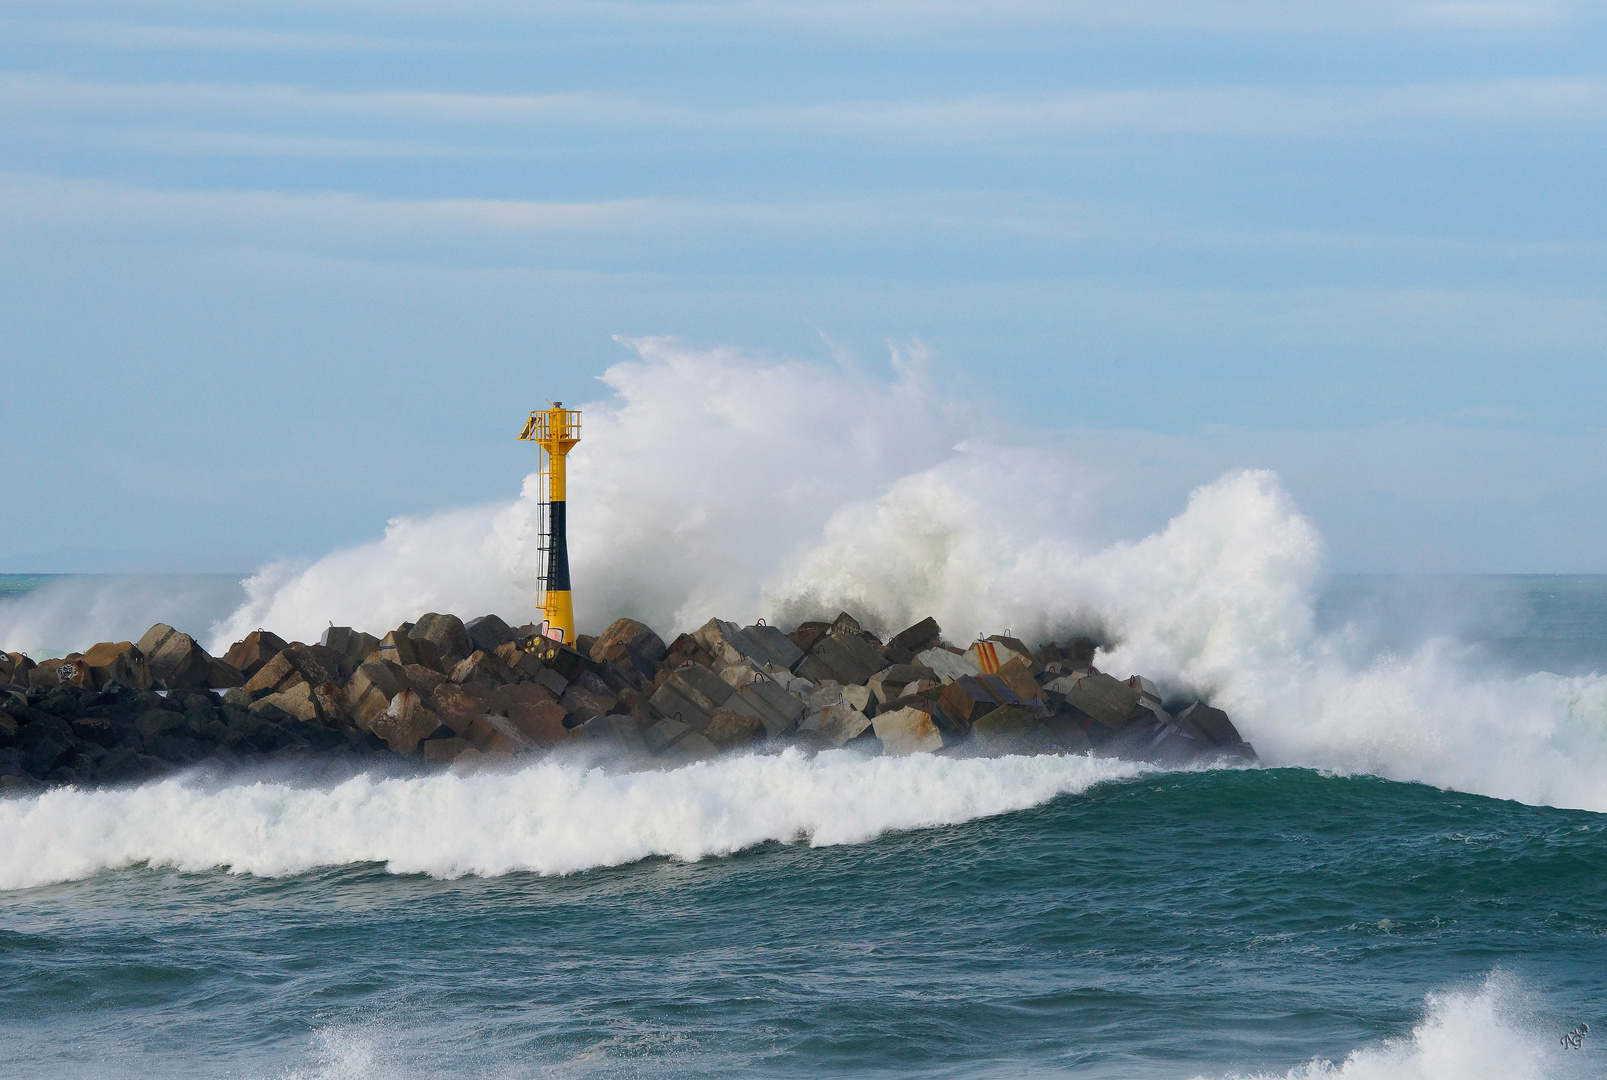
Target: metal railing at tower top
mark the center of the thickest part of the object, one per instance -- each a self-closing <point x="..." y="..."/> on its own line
<point x="556" y="424"/>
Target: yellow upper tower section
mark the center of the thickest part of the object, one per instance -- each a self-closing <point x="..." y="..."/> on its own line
<point x="557" y="430"/>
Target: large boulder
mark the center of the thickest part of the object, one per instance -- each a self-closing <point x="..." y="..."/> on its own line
<point x="835" y="724"/>
<point x="730" y="730"/>
<point x="1011" y="729"/>
<point x="353" y="646"/>
<point x="483" y="668"/>
<point x="487" y="632"/>
<point x="249" y="654"/>
<point x="990" y="654"/>
<point x="907" y="731"/>
<point x="948" y="664"/>
<point x="118" y="662"/>
<point x="588" y="696"/>
<point x="1100" y="697"/>
<point x="447" y="634"/>
<point x="845" y="658"/>
<point x="405" y="723"/>
<point x="370" y="689"/>
<point x="176" y="661"/>
<point x="905" y="644"/>
<point x="625" y="637"/>
<point x="66" y="671"/>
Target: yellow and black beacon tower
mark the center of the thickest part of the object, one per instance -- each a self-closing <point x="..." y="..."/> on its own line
<point x="556" y="430"/>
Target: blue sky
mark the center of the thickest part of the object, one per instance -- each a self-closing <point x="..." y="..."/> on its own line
<point x="272" y="273"/>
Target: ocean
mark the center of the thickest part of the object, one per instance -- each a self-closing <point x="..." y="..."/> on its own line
<point x="1327" y="913"/>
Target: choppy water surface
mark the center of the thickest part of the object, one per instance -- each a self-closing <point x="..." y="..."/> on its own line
<point x="837" y="916"/>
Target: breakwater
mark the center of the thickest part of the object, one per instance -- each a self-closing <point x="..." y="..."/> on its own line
<point x="442" y="691"/>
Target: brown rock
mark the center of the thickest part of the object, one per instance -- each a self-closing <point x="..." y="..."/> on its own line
<point x="458" y="705"/>
<point x="483" y="668"/>
<point x="442" y="750"/>
<point x="274" y="677"/>
<point x="405" y="722"/>
<point x="836" y="723"/>
<point x="424" y="679"/>
<point x="1017" y="675"/>
<point x="540" y="723"/>
<point x="728" y="730"/>
<point x="179" y="663"/>
<point x="907" y="731"/>
<point x="370" y="689"/>
<point x="257" y="648"/>
<point x="298" y="700"/>
<point x="588" y="696"/>
<point x="1009" y="729"/>
<point x="352" y="646"/>
<point x="622" y="637"/>
<point x="68" y="671"/>
<point x="118" y="662"/>
<point x="447" y="635"/>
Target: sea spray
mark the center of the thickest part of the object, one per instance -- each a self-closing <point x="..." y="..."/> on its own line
<point x="1475" y="1034"/>
<point x="698" y="502"/>
<point x="551" y="817"/>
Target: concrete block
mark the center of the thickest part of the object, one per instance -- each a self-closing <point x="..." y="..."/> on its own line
<point x="728" y="729"/>
<point x="457" y="705"/>
<point x="399" y="649"/>
<point x="297" y="699"/>
<point x="370" y="689"/>
<point x="701" y="686"/>
<point x="989" y="655"/>
<point x="440" y="751"/>
<point x="889" y="683"/>
<point x="1212" y="725"/>
<point x="1101" y="697"/>
<point x="779" y="647"/>
<point x="968" y="699"/>
<point x="846" y="659"/>
<point x="487" y="632"/>
<point x="447" y="635"/>
<point x="664" y="734"/>
<point x="836" y="724"/>
<point x="588" y="696"/>
<point x="481" y="667"/>
<point x="118" y="662"/>
<point x="617" y="733"/>
<point x="258" y="647"/>
<point x="66" y="671"/>
<point x="669" y="703"/>
<point x="1010" y="729"/>
<point x="780" y="710"/>
<point x="948" y="665"/>
<point x="405" y="722"/>
<point x="907" y="731"/>
<point x="905" y="644"/>
<point x="624" y="636"/>
<point x="1017" y="675"/>
<point x="860" y="698"/>
<point x="561" y="658"/>
<point x="175" y="660"/>
<point x="691" y="748"/>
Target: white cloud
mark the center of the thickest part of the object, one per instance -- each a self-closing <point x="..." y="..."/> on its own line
<point x="1209" y="111"/>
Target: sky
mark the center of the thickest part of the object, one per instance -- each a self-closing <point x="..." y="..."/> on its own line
<point x="274" y="273"/>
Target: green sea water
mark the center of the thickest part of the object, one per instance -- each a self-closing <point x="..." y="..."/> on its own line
<point x="849" y="917"/>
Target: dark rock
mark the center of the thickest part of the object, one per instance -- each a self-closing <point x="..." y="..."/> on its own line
<point x="448" y="636"/>
<point x="42" y="743"/>
<point x="903" y="646"/>
<point x="487" y="632"/>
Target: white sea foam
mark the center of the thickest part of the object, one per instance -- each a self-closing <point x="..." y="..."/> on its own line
<point x="553" y="816"/>
<point x="1480" y="1034"/>
<point x="714" y="483"/>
